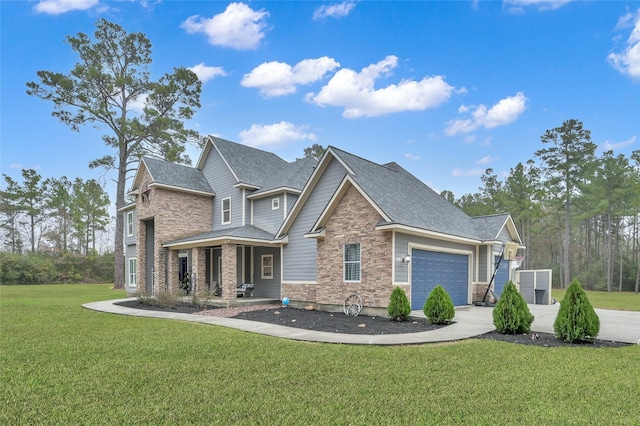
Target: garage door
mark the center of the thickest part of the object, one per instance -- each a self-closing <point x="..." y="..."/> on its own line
<point x="502" y="275"/>
<point x="430" y="268"/>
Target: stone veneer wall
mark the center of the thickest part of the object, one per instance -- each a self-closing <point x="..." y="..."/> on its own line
<point x="299" y="293"/>
<point x="478" y="293"/>
<point x="354" y="221"/>
<point x="176" y="215"/>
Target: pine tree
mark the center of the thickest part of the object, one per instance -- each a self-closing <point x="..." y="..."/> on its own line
<point x="438" y="307"/>
<point x="511" y="314"/>
<point x="399" y="307"/>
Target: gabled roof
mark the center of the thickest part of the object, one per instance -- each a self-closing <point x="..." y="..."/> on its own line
<point x="291" y="178"/>
<point x="250" y="166"/>
<point x="402" y="200"/>
<point x="489" y="227"/>
<point x="246" y="233"/>
<point x="173" y="176"/>
<point x="405" y="199"/>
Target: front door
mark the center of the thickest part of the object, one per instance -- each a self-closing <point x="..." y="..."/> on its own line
<point x="183" y="274"/>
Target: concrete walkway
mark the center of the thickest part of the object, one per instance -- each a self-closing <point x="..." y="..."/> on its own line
<point x="471" y="321"/>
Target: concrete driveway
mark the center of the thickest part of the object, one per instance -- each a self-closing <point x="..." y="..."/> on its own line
<point x="618" y="326"/>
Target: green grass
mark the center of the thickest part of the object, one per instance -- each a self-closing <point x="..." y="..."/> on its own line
<point x="62" y="364"/>
<point x="625" y="301"/>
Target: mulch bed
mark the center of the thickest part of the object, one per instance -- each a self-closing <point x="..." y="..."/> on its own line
<point x="338" y="322"/>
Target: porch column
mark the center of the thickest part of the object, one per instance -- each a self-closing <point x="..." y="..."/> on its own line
<point x="229" y="271"/>
<point x="199" y="259"/>
<point x="172" y="272"/>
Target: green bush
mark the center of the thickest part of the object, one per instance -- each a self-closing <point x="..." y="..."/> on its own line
<point x="576" y="319"/>
<point x="399" y="307"/>
<point x="438" y="307"/>
<point x="511" y="314"/>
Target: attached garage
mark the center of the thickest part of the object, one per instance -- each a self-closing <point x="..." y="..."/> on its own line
<point x="430" y="268"/>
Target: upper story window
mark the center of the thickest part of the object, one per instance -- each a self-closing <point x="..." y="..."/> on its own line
<point x="352" y="262"/>
<point x="130" y="224"/>
<point x="275" y="204"/>
<point x="226" y="211"/>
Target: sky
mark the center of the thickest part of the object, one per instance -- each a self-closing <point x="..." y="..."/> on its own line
<point x="446" y="89"/>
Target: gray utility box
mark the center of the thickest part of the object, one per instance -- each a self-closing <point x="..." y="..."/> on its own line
<point x="535" y="286"/>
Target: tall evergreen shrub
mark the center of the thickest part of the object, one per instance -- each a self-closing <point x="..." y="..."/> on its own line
<point x="438" y="307"/>
<point x="576" y="319"/>
<point x="511" y="314"/>
<point x="399" y="307"/>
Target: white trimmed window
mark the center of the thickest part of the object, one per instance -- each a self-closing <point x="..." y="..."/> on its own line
<point x="226" y="211"/>
<point x="352" y="262"/>
<point x="267" y="266"/>
<point x="133" y="267"/>
<point x="275" y="204"/>
<point x="130" y="224"/>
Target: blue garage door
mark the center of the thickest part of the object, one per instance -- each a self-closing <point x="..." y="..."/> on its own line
<point x="502" y="275"/>
<point x="430" y="268"/>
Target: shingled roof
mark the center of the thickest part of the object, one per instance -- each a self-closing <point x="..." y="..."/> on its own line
<point x="406" y="200"/>
<point x="246" y="232"/>
<point x="176" y="175"/>
<point x="292" y="176"/>
<point x="251" y="166"/>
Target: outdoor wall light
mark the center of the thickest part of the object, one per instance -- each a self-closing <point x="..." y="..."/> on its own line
<point x="406" y="259"/>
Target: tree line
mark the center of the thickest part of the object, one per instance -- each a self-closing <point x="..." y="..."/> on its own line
<point x="578" y="213"/>
<point x="56" y="216"/>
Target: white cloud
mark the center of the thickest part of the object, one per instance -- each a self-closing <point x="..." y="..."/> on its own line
<point x="469" y="139"/>
<point x="238" y="27"/>
<point x="471" y="172"/>
<point x="56" y="7"/>
<point x="206" y="73"/>
<point x="279" y="79"/>
<point x="15" y="166"/>
<point x="274" y="135"/>
<point x="628" y="60"/>
<point x="518" y="6"/>
<point x="338" y="10"/>
<point x="411" y="157"/>
<point x="614" y="146"/>
<point x="355" y="92"/>
<point x="504" y="112"/>
<point x="486" y="160"/>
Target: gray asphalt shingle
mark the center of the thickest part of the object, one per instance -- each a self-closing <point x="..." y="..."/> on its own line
<point x="177" y="175"/>
<point x="408" y="201"/>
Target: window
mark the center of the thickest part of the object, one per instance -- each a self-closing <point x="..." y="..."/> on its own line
<point x="275" y="204"/>
<point x="226" y="211"/>
<point x="132" y="272"/>
<point x="130" y="224"/>
<point x="267" y="266"/>
<point x="352" y="262"/>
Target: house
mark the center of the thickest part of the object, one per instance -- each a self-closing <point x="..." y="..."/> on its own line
<point x="312" y="231"/>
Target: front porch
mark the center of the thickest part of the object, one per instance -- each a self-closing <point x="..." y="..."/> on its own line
<point x="220" y="302"/>
<point x="241" y="264"/>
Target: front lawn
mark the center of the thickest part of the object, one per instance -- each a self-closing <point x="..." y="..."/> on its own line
<point x="626" y="301"/>
<point x="62" y="364"/>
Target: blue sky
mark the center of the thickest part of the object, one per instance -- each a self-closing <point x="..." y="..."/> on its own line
<point x="446" y="89"/>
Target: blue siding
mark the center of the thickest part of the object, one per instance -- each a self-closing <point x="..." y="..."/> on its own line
<point x="300" y="253"/>
<point x="430" y="268"/>
<point x="222" y="180"/>
<point x="265" y="217"/>
<point x="483" y="271"/>
<point x="267" y="287"/>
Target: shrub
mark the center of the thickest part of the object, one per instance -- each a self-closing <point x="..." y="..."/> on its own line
<point x="576" y="319"/>
<point x="511" y="314"/>
<point x="438" y="307"/>
<point x="399" y="307"/>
